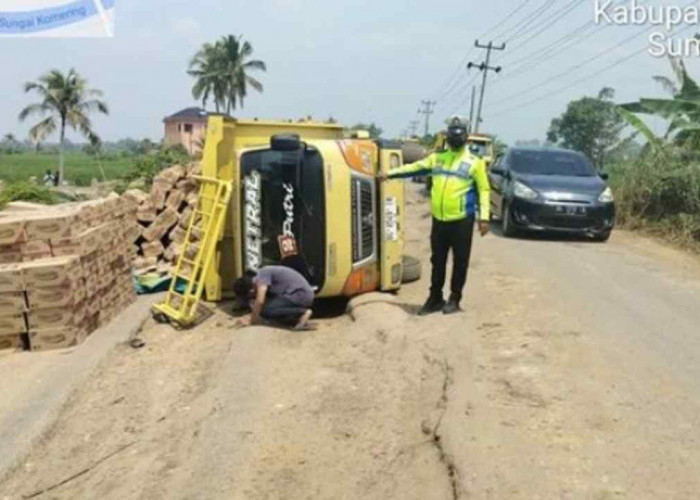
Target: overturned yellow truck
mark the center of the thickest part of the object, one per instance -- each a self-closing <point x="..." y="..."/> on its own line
<point x="310" y="182"/>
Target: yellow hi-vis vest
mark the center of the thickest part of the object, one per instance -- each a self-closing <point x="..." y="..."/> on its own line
<point x="460" y="183"/>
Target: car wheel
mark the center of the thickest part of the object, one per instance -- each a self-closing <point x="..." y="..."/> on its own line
<point x="602" y="237"/>
<point x="411" y="269"/>
<point x="508" y="229"/>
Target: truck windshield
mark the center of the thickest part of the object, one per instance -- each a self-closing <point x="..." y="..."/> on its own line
<point x="480" y="148"/>
<point x="282" y="194"/>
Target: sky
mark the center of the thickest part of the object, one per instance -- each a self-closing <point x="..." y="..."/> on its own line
<point x="357" y="61"/>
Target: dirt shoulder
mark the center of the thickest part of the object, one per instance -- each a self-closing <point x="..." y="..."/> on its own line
<point x="567" y="378"/>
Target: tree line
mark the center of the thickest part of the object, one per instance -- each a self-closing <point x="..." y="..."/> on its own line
<point x="65" y="101"/>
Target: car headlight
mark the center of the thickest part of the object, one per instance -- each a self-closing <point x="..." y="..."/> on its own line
<point x="606" y="196"/>
<point x="522" y="191"/>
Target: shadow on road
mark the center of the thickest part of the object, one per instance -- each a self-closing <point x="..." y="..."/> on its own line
<point x="410" y="309"/>
<point x="547" y="236"/>
<point x="330" y="308"/>
<point x="323" y="308"/>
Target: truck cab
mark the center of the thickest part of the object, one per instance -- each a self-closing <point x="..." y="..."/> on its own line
<point x="482" y="145"/>
<point x="310" y="183"/>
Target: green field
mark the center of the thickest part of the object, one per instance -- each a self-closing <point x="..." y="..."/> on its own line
<point x="80" y="168"/>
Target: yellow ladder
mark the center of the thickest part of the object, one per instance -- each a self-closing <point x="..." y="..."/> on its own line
<point x="182" y="308"/>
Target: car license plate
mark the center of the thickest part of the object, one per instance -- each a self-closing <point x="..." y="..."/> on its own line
<point x="570" y="210"/>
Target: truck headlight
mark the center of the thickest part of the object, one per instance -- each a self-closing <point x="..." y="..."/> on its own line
<point x="606" y="196"/>
<point x="520" y="190"/>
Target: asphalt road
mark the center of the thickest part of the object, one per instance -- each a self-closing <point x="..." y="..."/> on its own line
<point x="572" y="374"/>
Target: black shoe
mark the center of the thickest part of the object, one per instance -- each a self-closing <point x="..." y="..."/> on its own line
<point x="451" y="307"/>
<point x="432" y="305"/>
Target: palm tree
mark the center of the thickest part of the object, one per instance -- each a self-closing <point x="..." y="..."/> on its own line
<point x="221" y="71"/>
<point x="207" y="67"/>
<point x="236" y="57"/>
<point x="68" y="101"/>
<point x="36" y="137"/>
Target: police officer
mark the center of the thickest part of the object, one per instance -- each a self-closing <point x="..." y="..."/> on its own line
<point x="460" y="190"/>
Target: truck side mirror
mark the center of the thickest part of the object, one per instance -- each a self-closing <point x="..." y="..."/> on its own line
<point x="285" y="142"/>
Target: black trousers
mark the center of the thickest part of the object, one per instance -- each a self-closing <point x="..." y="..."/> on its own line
<point x="282" y="310"/>
<point x="455" y="236"/>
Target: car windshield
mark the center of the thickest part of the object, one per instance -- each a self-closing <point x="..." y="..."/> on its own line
<point x="551" y="163"/>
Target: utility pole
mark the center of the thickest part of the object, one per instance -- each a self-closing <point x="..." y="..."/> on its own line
<point x="471" y="107"/>
<point x="484" y="66"/>
<point x="413" y="127"/>
<point x="427" y="109"/>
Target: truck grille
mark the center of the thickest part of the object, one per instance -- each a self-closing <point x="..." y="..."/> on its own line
<point x="363" y="217"/>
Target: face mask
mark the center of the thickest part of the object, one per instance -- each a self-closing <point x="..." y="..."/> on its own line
<point x="456" y="141"/>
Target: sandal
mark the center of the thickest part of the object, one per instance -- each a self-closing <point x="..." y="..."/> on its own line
<point x="306" y="327"/>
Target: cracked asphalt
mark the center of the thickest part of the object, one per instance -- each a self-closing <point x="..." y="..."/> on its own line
<point x="573" y="374"/>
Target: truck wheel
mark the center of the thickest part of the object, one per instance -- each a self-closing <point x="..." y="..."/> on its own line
<point x="411" y="269"/>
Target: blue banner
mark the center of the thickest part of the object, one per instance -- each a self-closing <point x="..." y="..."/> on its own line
<point x="35" y="21"/>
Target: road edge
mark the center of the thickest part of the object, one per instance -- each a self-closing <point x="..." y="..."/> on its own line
<point x="30" y="421"/>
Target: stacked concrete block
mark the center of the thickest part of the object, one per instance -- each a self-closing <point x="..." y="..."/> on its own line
<point x="163" y="217"/>
<point x="64" y="271"/>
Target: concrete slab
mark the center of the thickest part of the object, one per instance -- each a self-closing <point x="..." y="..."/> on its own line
<point x="34" y="386"/>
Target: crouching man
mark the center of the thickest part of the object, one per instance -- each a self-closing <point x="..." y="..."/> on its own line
<point x="278" y="294"/>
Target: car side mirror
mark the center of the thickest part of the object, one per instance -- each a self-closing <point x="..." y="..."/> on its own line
<point x="604" y="175"/>
<point x="497" y="170"/>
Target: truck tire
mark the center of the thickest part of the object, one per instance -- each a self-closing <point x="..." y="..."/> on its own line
<point x="411" y="269"/>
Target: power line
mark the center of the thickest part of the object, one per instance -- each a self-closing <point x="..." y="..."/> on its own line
<point x="498" y="25"/>
<point x="577" y="66"/>
<point x="573" y="84"/>
<point x="589" y="77"/>
<point x="567" y="40"/>
<point x="450" y="83"/>
<point x="538" y="57"/>
<point x="461" y="103"/>
<point x="547" y="24"/>
<point x="525" y="23"/>
<point x="460" y="94"/>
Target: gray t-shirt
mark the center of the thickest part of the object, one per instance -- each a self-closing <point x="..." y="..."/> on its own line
<point x="286" y="282"/>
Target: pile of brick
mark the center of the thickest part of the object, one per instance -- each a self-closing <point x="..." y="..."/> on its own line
<point x="64" y="271"/>
<point x="163" y="215"/>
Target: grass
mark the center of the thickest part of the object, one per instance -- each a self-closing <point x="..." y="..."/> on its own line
<point x="24" y="191"/>
<point x="661" y="196"/>
<point x="80" y="168"/>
